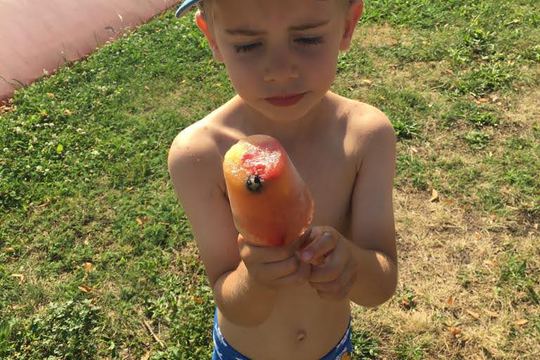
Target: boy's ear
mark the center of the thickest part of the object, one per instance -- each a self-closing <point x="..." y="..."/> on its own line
<point x="202" y="24"/>
<point x="353" y="15"/>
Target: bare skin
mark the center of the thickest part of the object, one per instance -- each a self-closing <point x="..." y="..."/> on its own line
<point x="291" y="302"/>
<point x="345" y="154"/>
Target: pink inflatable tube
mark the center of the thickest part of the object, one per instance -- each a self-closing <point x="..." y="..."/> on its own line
<point x="38" y="36"/>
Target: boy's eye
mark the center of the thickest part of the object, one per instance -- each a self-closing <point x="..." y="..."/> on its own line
<point x="246" y="47"/>
<point x="310" y="40"/>
<point x="304" y="41"/>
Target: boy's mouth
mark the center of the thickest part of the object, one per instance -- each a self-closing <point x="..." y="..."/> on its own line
<point x="285" y="100"/>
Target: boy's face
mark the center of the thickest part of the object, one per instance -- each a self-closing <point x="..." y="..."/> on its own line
<point x="280" y="55"/>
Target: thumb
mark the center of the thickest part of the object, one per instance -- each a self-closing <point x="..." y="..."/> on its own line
<point x="320" y="244"/>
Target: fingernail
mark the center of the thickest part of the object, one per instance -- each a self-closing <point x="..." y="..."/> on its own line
<point x="307" y="255"/>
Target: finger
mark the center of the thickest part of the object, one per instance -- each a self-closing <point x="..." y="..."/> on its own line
<point x="302" y="240"/>
<point x="280" y="269"/>
<point x="261" y="254"/>
<point x="329" y="271"/>
<point x="337" y="289"/>
<point x="345" y="280"/>
<point x="298" y="277"/>
<point x="319" y="247"/>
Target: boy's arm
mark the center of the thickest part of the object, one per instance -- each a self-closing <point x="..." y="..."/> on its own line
<point x="195" y="168"/>
<point x="373" y="229"/>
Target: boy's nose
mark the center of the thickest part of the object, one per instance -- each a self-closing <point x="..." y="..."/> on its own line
<point x="280" y="68"/>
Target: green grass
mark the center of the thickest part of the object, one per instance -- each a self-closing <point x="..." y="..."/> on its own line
<point x="409" y="349"/>
<point x="515" y="273"/>
<point x="93" y="243"/>
<point x="366" y="346"/>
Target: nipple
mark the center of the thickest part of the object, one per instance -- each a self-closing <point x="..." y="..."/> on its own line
<point x="300" y="335"/>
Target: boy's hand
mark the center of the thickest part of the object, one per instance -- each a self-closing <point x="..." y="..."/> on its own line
<point x="274" y="267"/>
<point x="334" y="268"/>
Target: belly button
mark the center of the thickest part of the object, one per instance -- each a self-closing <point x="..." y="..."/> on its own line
<point x="301" y="335"/>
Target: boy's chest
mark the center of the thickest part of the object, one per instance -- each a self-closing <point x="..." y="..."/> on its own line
<point x="328" y="163"/>
<point x="330" y="174"/>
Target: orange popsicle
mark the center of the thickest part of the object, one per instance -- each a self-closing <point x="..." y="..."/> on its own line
<point x="270" y="202"/>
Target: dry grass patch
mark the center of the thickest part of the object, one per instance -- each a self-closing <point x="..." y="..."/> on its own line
<point x="452" y="302"/>
<point x="378" y="35"/>
<point x="418" y="74"/>
<point x="526" y="109"/>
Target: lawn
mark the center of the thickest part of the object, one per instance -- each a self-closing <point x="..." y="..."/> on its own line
<point x="97" y="260"/>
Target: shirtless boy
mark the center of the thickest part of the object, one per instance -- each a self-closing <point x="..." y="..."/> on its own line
<point x="282" y="302"/>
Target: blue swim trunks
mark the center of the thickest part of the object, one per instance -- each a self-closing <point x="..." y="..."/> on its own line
<point x="224" y="351"/>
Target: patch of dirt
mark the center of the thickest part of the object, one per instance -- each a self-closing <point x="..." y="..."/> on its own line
<point x="379" y="35"/>
<point x="5" y="108"/>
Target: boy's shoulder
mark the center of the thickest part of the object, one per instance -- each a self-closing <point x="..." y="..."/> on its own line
<point x="362" y="117"/>
<point x="192" y="143"/>
<point x="365" y="123"/>
<point x="209" y="135"/>
<point x="198" y="149"/>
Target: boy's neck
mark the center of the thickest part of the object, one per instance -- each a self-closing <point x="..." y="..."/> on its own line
<point x="285" y="131"/>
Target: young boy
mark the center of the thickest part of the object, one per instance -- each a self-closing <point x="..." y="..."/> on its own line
<point x="290" y="302"/>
